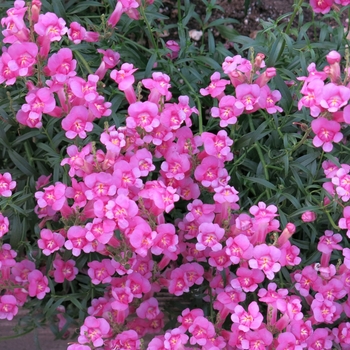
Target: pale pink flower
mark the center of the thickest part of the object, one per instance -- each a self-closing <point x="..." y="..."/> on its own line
<point x="334" y="97"/>
<point x="248" y="96"/>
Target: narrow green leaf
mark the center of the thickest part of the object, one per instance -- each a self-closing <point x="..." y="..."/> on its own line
<point x="262" y="182"/>
<point x="21" y="163"/>
<point x="150" y="65"/>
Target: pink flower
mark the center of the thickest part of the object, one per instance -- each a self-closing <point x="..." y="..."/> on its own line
<point x="143" y="115"/>
<point x="201" y="331"/>
<point x="324" y="310"/>
<point x="327" y="131"/>
<point x="109" y="60"/>
<point x="247" y="279"/>
<point x="6" y="185"/>
<point x="50" y="242"/>
<point x="188" y="316"/>
<point x="344" y="222"/>
<point x="178" y="283"/>
<point x="216" y="87"/>
<point x="101" y="272"/>
<point x="239" y="248"/>
<point x="268" y="100"/>
<point x="4" y="225"/>
<point x="308" y="216"/>
<point x="77" y="122"/>
<point x="247" y="320"/>
<point x="52" y="26"/>
<point x="176" y="165"/>
<point x="38" y="284"/>
<point x="8" y="307"/>
<point x="209" y="236"/>
<point x="159" y="86"/>
<point x="288" y="341"/>
<point x="260" y="339"/>
<point x="320" y="339"/>
<point x="174" y="48"/>
<point x="312" y="92"/>
<point x="93" y="331"/>
<point x="77" y="240"/>
<point x="148" y="309"/>
<point x="53" y="196"/>
<point x="247" y="97"/>
<point x="265" y="259"/>
<point x="321" y="6"/>
<point x="77" y="34"/>
<point x="334" y="97"/>
<point x="61" y="65"/>
<point x="64" y="270"/>
<point x="23" y="57"/>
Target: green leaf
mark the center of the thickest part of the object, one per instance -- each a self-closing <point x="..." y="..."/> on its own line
<point x="22" y="163"/>
<point x="262" y="182"/>
<point x="287" y="100"/>
<point x="150" y="65"/>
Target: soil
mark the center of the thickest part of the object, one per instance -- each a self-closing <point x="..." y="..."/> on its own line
<point x="248" y="18"/>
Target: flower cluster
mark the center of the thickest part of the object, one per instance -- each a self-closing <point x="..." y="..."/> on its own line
<point x="327" y="101"/>
<point x="251" y="89"/>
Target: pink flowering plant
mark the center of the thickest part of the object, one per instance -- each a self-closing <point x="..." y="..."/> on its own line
<point x="172" y="194"/>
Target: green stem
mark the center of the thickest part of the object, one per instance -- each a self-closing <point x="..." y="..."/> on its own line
<point x="50" y="139"/>
<point x="133" y="43"/>
<point x="296" y="10"/>
<point x="143" y="14"/>
<point x="82" y="59"/>
<point x="198" y="102"/>
<point x="261" y="156"/>
<point x="332" y="221"/>
<point x="301" y="142"/>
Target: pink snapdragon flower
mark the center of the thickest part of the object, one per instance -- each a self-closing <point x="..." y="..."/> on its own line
<point x="148" y="309"/>
<point x="38" y="284"/>
<point x="266" y="259"/>
<point x="4" y="225"/>
<point x="77" y="34"/>
<point x="77" y="123"/>
<point x="321" y="6"/>
<point x="64" y="270"/>
<point x="209" y="236"/>
<point x="50" y="242"/>
<point x="77" y="240"/>
<point x="248" y="96"/>
<point x="8" y="307"/>
<point x="334" y="97"/>
<point x="109" y="60"/>
<point x="227" y="111"/>
<point x="143" y="115"/>
<point x="247" y="320"/>
<point x="174" y="48"/>
<point x="216" y="87"/>
<point x="6" y="185"/>
<point x="94" y="330"/>
<point x="312" y="92"/>
<point x="101" y="271"/>
<point x="159" y="86"/>
<point x="308" y="216"/>
<point x="201" y="331"/>
<point x="327" y="131"/>
<point x="23" y="58"/>
<point x="61" y="66"/>
<point x="344" y="222"/>
<point x="53" y="196"/>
